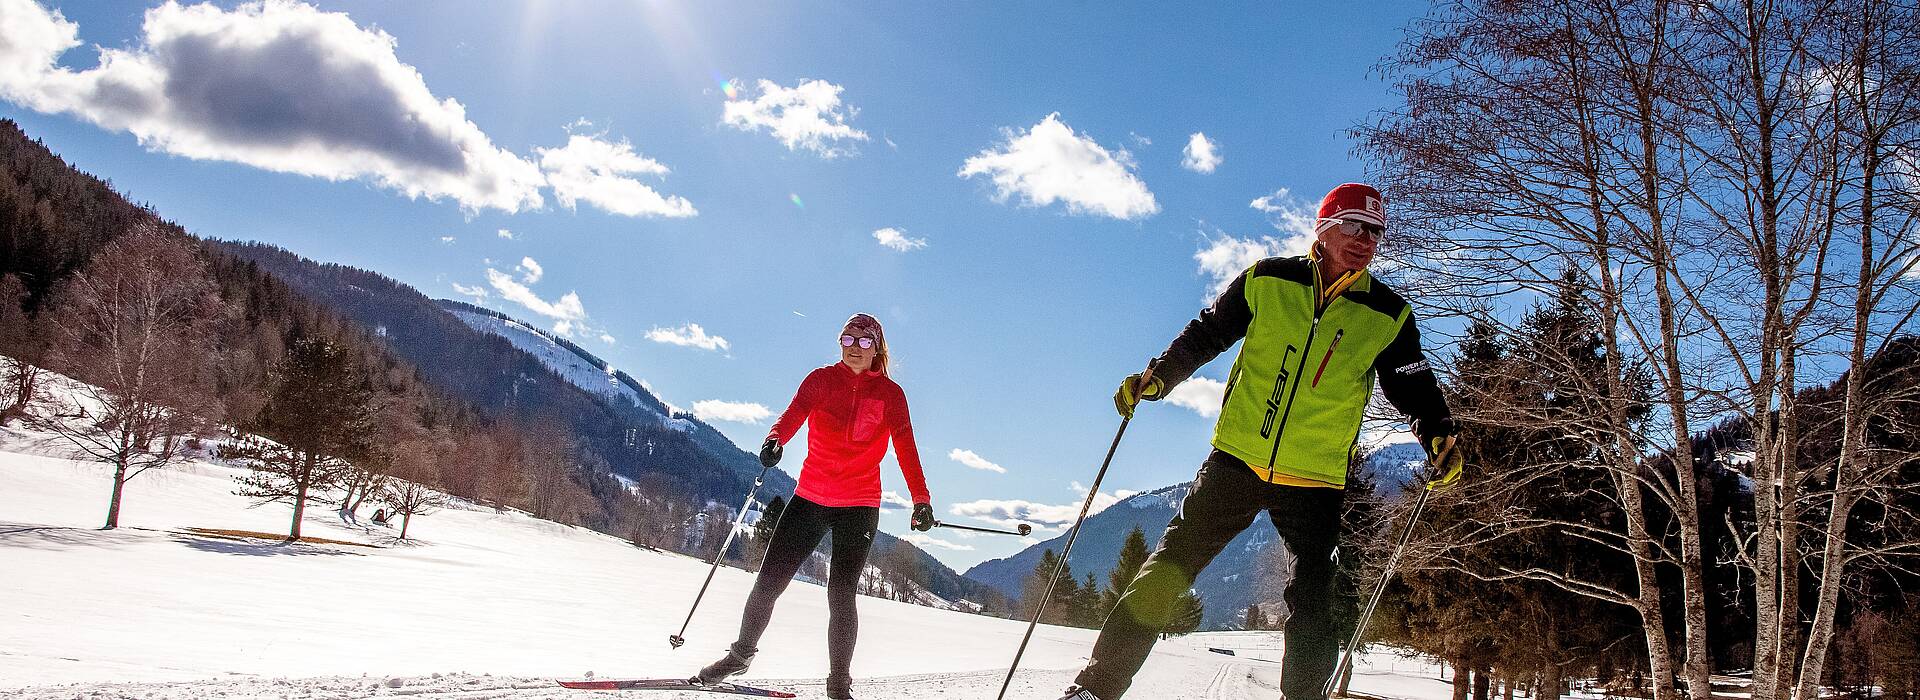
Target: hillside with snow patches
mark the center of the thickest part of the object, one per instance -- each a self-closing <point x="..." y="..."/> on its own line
<point x="568" y="364"/>
<point x="478" y="602"/>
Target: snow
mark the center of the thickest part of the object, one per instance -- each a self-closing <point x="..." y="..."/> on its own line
<point x="571" y="367"/>
<point x="478" y="603"/>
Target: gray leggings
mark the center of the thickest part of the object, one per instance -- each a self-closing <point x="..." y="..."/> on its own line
<point x="802" y="525"/>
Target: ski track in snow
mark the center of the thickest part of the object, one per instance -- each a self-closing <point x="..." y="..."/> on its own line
<point x="1183" y="674"/>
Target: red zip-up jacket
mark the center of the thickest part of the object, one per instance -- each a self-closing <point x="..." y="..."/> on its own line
<point x="852" y="417"/>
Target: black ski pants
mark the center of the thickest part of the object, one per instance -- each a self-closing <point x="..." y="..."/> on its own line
<point x="1225" y="498"/>
<point x="802" y="525"/>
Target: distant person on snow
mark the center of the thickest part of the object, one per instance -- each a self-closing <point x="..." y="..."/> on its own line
<point x="1319" y="330"/>
<point x="853" y="409"/>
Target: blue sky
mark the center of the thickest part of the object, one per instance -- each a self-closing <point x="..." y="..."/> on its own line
<point x="1052" y="224"/>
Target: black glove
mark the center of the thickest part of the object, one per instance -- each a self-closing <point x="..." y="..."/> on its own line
<point x="922" y="517"/>
<point x="770" y="452"/>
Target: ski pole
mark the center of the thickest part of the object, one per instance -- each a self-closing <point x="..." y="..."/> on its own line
<point x="675" y="640"/>
<point x="1379" y="588"/>
<point x="1067" y="548"/>
<point x="1024" y="530"/>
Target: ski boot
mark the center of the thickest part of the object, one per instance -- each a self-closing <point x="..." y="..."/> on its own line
<point x="1075" y="692"/>
<point x="733" y="664"/>
<point x="839" y="687"/>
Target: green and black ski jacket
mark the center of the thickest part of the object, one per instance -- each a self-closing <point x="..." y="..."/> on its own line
<point x="1295" y="397"/>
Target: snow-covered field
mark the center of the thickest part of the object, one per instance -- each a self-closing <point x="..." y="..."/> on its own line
<point x="477" y="604"/>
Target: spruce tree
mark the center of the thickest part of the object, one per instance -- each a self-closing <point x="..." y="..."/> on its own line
<point x="1187" y="613"/>
<point x="1087" y="611"/>
<point x="319" y="417"/>
<point x="1133" y="554"/>
<point x="1060" y="606"/>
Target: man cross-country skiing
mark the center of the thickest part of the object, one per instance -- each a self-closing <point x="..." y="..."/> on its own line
<point x="1319" y="330"/>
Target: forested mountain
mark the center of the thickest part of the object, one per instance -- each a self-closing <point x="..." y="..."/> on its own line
<point x="488" y="371"/>
<point x="473" y="414"/>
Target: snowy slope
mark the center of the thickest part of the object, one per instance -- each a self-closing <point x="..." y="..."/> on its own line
<point x="482" y="592"/>
<point x="568" y="364"/>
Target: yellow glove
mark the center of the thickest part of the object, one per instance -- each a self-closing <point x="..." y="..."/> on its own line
<point x="1134" y="389"/>
<point x="1446" y="459"/>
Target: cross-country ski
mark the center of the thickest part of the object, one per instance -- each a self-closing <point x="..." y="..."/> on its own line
<point x="673" y="684"/>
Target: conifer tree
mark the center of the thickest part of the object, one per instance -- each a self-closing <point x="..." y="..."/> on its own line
<point x="319" y="418"/>
<point x="1133" y="554"/>
<point x="1187" y="613"/>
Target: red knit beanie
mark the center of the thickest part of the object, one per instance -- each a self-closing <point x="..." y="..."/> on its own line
<point x="1353" y="201"/>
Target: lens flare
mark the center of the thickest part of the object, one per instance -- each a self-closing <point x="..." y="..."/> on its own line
<point x="732" y="91"/>
<point x="796" y="201"/>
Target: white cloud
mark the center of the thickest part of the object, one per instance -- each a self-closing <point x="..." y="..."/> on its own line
<point x="568" y="308"/>
<point x="477" y="292"/>
<point x="806" y="116"/>
<point x="897" y="239"/>
<point x="1202" y="155"/>
<point x="1105" y="499"/>
<point x="1200" y="394"/>
<point x="594" y="171"/>
<point x="276" y="85"/>
<point x="1010" y="513"/>
<point x="530" y="271"/>
<point x="608" y="339"/>
<point x="1225" y="257"/>
<point x="891" y="500"/>
<point x="925" y="541"/>
<point x="1287" y="213"/>
<point x="447" y="239"/>
<point x="509" y="235"/>
<point x="731" y="411"/>
<point x="1050" y="163"/>
<point x="1141" y="140"/>
<point x="689" y="335"/>
<point x="969" y="458"/>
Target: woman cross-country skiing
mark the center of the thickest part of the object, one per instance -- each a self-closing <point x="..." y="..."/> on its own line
<point x="854" y="409"/>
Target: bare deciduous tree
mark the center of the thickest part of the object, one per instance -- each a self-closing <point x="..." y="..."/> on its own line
<point x="1707" y="168"/>
<point x="134" y="326"/>
<point x="20" y="337"/>
<point x="408" y="499"/>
